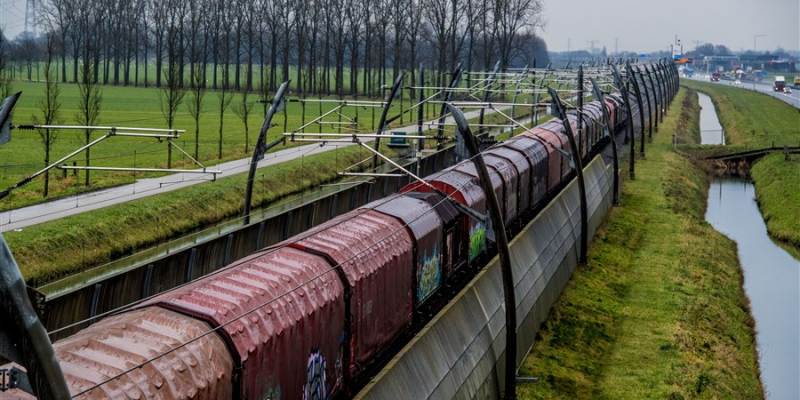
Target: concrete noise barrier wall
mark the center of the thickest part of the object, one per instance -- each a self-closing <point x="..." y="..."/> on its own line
<point x="460" y="353"/>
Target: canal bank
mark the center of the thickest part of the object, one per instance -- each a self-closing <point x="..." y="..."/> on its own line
<point x="771" y="274"/>
<point x="754" y="121"/>
<point x="659" y="311"/>
<point x="771" y="281"/>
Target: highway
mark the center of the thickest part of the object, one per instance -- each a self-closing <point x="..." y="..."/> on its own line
<point x="762" y="87"/>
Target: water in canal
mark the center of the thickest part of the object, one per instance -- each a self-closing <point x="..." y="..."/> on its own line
<point x="771" y="281"/>
<point x="710" y="128"/>
<point x="771" y="274"/>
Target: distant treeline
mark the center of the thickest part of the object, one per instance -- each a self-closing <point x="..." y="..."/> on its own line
<point x="326" y="47"/>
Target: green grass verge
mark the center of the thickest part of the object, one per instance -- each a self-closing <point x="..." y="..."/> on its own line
<point x="52" y="250"/>
<point x="754" y="120"/>
<point x="751" y="119"/>
<point x="659" y="311"/>
<point x="778" y="196"/>
<point x="55" y="249"/>
<point x="687" y="126"/>
<point x="141" y="107"/>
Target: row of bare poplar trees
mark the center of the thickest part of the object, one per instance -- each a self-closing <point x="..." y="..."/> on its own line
<point x="325" y="46"/>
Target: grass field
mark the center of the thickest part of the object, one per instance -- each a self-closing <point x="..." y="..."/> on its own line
<point x="51" y="250"/>
<point x="37" y="74"/>
<point x="141" y="107"/>
<point x="659" y="310"/>
<point x="753" y="120"/>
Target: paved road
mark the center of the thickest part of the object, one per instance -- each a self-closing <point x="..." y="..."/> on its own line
<point x="36" y="214"/>
<point x="763" y="87"/>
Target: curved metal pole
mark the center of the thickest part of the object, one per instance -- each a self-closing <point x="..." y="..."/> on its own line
<point x="580" y="110"/>
<point x="29" y="344"/>
<point x="578" y="165"/>
<point x="260" y="149"/>
<point x="626" y="98"/>
<point x="502" y="249"/>
<point x="639" y="102"/>
<point x="668" y="85"/>
<point x="455" y="80"/>
<point x="649" y="107"/>
<point x="663" y="87"/>
<point x="656" y="95"/>
<point x="607" y="129"/>
<point x="382" y="123"/>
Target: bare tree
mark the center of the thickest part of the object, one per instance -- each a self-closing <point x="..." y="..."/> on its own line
<point x="225" y="96"/>
<point x="243" y="110"/>
<point x="512" y="19"/>
<point x="28" y="51"/>
<point x="173" y="91"/>
<point x="90" y="98"/>
<point x="157" y="14"/>
<point x="198" y="53"/>
<point x="442" y="16"/>
<point x="50" y="106"/>
<point x="5" y="79"/>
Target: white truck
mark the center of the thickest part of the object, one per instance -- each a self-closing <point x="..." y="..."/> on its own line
<point x="779" y="84"/>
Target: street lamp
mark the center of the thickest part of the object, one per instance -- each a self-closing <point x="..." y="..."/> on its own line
<point x="755" y="55"/>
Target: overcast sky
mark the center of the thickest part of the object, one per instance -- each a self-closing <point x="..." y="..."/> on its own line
<point x="638" y="25"/>
<point x="647" y="25"/>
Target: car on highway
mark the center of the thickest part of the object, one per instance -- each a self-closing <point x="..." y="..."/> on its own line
<point x="787" y="90"/>
<point x="737" y="82"/>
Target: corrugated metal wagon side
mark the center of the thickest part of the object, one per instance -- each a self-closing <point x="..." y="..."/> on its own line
<point x="463" y="188"/>
<point x="201" y="370"/>
<point x="425" y="227"/>
<point x="281" y="313"/>
<point x="375" y="256"/>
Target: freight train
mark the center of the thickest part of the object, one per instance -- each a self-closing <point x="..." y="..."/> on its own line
<point x="309" y="317"/>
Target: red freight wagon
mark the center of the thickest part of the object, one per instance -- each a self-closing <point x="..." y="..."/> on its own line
<point x="537" y="155"/>
<point x="554" y="158"/>
<point x="467" y="191"/>
<point x="282" y="314"/>
<point x="557" y="129"/>
<point x="522" y="170"/>
<point x="375" y="254"/>
<point x="504" y="181"/>
<point x="454" y="255"/>
<point x="121" y="342"/>
<point x="425" y="227"/>
<point x="497" y="183"/>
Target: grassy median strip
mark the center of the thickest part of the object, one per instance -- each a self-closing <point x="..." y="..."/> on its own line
<point x="659" y="311"/>
<point x="754" y="120"/>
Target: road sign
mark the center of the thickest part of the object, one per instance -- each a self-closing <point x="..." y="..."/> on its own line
<point x="764" y="73"/>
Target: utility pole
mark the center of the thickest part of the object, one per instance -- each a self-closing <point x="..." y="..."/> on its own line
<point x="591" y="45"/>
<point x="755" y="55"/>
<point x="30" y="16"/>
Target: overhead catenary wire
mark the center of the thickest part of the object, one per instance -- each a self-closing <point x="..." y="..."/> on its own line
<point x="249" y="312"/>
